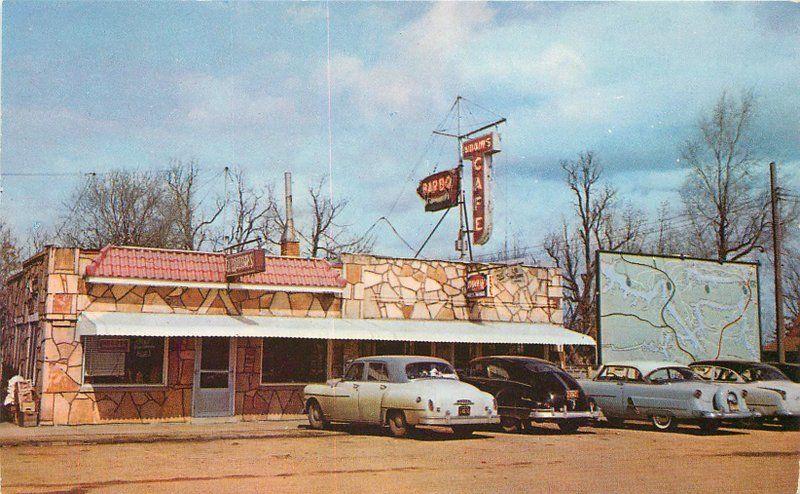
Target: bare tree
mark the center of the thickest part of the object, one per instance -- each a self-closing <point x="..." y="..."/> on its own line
<point x="10" y="254"/>
<point x="724" y="201"/>
<point x="320" y="230"/>
<point x="792" y="286"/>
<point x="251" y="211"/>
<point x="191" y="224"/>
<point x="121" y="208"/>
<point x="600" y="223"/>
<point x="664" y="238"/>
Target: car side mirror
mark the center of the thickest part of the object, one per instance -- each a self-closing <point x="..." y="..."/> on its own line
<point x="334" y="382"/>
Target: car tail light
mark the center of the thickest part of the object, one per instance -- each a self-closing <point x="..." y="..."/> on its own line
<point x="698" y="393"/>
<point x="430" y="405"/>
<point x="744" y="393"/>
<point x="494" y="403"/>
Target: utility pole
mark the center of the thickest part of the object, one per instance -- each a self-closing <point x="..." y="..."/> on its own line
<point x="776" y="241"/>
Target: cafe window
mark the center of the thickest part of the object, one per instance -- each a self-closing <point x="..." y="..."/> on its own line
<point x="123" y="360"/>
<point x="293" y="360"/>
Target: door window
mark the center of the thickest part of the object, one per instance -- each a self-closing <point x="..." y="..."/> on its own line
<point x="477" y="369"/>
<point x="659" y="376"/>
<point x="494" y="371"/>
<point x="355" y="372"/>
<point x="214" y="362"/>
<point x="377" y="371"/>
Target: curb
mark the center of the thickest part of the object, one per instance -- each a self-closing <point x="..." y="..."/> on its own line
<point x="146" y="438"/>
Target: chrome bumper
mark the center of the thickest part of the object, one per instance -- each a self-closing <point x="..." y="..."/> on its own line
<point x="564" y="415"/>
<point x="729" y="415"/>
<point x="456" y="420"/>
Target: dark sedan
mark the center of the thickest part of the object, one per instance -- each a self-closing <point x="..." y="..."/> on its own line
<point x="530" y="390"/>
<point x="792" y="371"/>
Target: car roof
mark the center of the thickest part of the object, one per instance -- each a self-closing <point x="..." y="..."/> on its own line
<point x="784" y="364"/>
<point x="737" y="365"/>
<point x="645" y="366"/>
<point x="515" y="358"/>
<point x="400" y="359"/>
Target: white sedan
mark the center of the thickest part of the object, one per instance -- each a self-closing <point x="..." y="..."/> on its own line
<point x="401" y="392"/>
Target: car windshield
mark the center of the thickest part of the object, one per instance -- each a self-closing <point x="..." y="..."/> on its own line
<point x="425" y="370"/>
<point x="763" y="373"/>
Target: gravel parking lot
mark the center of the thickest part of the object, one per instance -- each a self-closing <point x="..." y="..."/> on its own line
<point x="594" y="460"/>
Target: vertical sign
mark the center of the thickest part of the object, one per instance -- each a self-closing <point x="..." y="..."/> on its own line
<point x="480" y="151"/>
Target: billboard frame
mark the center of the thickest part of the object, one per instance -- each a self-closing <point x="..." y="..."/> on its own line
<point x="598" y="312"/>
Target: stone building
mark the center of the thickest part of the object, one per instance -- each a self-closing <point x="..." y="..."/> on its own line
<point x="138" y="334"/>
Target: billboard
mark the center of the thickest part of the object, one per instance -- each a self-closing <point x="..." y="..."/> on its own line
<point x="480" y="150"/>
<point x="678" y="309"/>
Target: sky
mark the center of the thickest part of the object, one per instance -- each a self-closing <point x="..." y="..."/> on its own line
<point x="89" y="87"/>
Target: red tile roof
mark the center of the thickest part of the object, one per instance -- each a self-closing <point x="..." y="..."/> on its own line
<point x="209" y="267"/>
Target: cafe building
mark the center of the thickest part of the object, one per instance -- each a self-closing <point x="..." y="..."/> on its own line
<point x="139" y="334"/>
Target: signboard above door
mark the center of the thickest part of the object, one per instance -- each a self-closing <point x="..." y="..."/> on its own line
<point x="246" y="262"/>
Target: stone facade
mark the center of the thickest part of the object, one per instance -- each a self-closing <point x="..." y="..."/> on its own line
<point x="392" y="288"/>
<point x="42" y="305"/>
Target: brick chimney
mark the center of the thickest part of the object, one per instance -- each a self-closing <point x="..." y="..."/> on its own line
<point x="290" y="247"/>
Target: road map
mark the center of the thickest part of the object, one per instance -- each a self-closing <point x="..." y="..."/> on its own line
<point x="665" y="308"/>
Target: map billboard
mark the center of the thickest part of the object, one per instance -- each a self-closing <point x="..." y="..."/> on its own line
<point x="678" y="309"/>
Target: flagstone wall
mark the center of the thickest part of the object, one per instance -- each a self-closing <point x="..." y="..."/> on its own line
<point x="393" y="288"/>
<point x="44" y="301"/>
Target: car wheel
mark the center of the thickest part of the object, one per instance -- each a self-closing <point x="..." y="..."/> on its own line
<point x="397" y="424"/>
<point x="569" y="426"/>
<point x="463" y="430"/>
<point x="615" y="422"/>
<point x="510" y="424"/>
<point x="664" y="422"/>
<point x="790" y="423"/>
<point x="710" y="426"/>
<point x="316" y="418"/>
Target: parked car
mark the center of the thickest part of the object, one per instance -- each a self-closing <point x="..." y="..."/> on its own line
<point x="529" y="390"/>
<point x="770" y="393"/>
<point x="792" y="371"/>
<point x="665" y="393"/>
<point x="400" y="392"/>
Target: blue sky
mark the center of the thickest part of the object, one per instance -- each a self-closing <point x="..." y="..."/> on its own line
<point x="94" y="86"/>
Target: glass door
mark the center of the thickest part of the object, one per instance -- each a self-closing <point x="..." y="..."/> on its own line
<point x="213" y="377"/>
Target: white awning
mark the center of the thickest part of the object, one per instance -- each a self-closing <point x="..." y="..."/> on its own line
<point x="141" y="324"/>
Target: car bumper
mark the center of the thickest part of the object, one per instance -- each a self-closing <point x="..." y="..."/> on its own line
<point x="716" y="415"/>
<point x="450" y="420"/>
<point x="564" y="415"/>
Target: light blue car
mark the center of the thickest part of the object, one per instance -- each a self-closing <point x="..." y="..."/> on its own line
<point x="664" y="393"/>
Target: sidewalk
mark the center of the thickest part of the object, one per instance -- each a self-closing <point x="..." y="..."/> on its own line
<point x="197" y="430"/>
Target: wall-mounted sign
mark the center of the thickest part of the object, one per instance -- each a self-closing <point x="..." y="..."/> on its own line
<point x="480" y="151"/>
<point x="477" y="285"/>
<point x="440" y="190"/>
<point x="110" y="345"/>
<point x="245" y="262"/>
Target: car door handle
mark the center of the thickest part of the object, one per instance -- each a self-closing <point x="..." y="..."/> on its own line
<point x="355" y="386"/>
<point x="383" y="386"/>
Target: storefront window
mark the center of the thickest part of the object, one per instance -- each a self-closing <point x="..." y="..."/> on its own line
<point x="293" y="360"/>
<point x="123" y="360"/>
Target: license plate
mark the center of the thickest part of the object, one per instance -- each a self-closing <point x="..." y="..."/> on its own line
<point x="573" y="394"/>
<point x="463" y="411"/>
